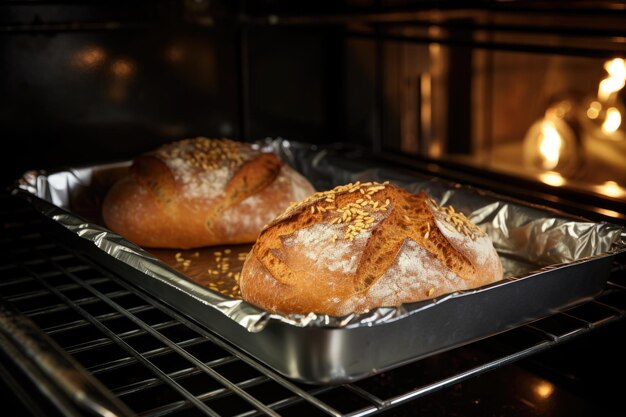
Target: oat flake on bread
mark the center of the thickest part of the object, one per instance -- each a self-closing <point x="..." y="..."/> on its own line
<point x="365" y="245"/>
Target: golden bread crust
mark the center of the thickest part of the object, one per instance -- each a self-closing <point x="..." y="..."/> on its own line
<point x="362" y="246"/>
<point x="201" y="192"/>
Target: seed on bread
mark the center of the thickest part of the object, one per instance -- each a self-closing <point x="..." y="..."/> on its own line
<point x="208" y="154"/>
<point x="459" y="222"/>
<point x="386" y="246"/>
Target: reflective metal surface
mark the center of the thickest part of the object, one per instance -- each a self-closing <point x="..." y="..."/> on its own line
<point x="58" y="376"/>
<point x="552" y="261"/>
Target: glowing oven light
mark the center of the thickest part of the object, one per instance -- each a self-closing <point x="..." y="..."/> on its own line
<point x="603" y="111"/>
<point x="550" y="144"/>
<point x="544" y="389"/>
<point x="594" y="110"/>
<point x="122" y="68"/>
<point x="552" y="178"/>
<point x="611" y="189"/>
<point x="90" y="58"/>
<point x="612" y="121"/>
<point x="615" y="81"/>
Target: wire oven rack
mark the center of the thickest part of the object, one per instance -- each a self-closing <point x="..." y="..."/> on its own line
<point x="143" y="358"/>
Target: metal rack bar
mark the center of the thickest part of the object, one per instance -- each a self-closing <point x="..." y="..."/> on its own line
<point x="426" y="19"/>
<point x="56" y="374"/>
<point x="152" y="331"/>
<point x="560" y="50"/>
<point x="197" y="328"/>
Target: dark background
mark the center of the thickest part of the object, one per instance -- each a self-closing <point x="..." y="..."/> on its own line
<point x="92" y="82"/>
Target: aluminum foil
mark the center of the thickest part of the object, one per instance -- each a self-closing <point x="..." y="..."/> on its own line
<point x="529" y="239"/>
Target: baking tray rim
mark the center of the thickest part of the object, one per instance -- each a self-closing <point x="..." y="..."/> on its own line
<point x="173" y="277"/>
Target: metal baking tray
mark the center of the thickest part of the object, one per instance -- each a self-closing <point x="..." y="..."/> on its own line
<point x="552" y="261"/>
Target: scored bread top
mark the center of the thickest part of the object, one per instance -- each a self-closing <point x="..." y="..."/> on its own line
<point x="203" y="166"/>
<point x="199" y="192"/>
<point x="365" y="245"/>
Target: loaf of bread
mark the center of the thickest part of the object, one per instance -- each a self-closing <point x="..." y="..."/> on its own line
<point x="201" y="192"/>
<point x="362" y="246"/>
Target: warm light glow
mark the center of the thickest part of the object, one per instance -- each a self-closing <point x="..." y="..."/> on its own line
<point x="426" y="110"/>
<point x="616" y="68"/>
<point x="562" y="108"/>
<point x="607" y="87"/>
<point x="544" y="389"/>
<point x="122" y="68"/>
<point x="612" y="121"/>
<point x="615" y="81"/>
<point x="609" y="213"/>
<point x="552" y="178"/>
<point x="434" y="149"/>
<point x="174" y="53"/>
<point x="611" y="189"/>
<point x="594" y="110"/>
<point x="550" y="143"/>
<point x="434" y="32"/>
<point x="90" y="57"/>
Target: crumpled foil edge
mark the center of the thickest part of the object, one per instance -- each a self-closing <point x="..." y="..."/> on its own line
<point x="558" y="240"/>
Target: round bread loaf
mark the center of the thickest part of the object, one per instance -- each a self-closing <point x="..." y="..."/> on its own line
<point x="362" y="246"/>
<point x="201" y="192"/>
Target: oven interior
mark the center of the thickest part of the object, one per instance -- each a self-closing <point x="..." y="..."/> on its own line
<point x="519" y="97"/>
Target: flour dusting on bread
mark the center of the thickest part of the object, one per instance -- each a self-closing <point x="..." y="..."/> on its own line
<point x="201" y="192"/>
<point x="204" y="166"/>
<point x="415" y="270"/>
<point x="479" y="245"/>
<point x="365" y="245"/>
<point x="326" y="253"/>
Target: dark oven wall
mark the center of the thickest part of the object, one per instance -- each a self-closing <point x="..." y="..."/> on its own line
<point x="102" y="81"/>
<point x="93" y="82"/>
<point x="466" y="85"/>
